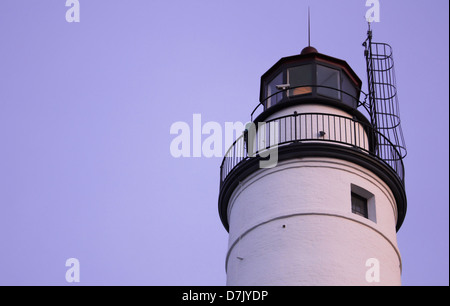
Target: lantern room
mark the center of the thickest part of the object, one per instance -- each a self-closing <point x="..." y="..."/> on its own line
<point x="309" y="77"/>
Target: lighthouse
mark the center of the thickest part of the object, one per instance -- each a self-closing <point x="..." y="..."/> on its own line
<point x="328" y="210"/>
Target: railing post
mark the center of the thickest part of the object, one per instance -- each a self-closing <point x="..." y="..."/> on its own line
<point x="246" y="140"/>
<point x="295" y="126"/>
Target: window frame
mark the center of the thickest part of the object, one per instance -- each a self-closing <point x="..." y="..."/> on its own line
<point x="369" y="199"/>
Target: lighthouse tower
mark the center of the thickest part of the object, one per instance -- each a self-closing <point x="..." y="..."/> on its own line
<point x="327" y="211"/>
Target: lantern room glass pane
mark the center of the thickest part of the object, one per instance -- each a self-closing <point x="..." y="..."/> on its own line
<point x="273" y="94"/>
<point x="300" y="79"/>
<point x="328" y="77"/>
<point x="349" y="96"/>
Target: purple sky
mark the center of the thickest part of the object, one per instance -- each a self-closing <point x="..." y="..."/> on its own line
<point x="86" y="108"/>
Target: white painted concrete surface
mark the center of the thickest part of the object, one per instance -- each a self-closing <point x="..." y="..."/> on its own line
<point x="293" y="225"/>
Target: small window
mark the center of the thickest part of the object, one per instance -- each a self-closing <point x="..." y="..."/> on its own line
<point x="363" y="203"/>
<point x="328" y="77"/>
<point x="359" y="205"/>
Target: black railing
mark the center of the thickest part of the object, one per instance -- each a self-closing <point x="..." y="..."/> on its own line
<point x="287" y="94"/>
<point x="312" y="127"/>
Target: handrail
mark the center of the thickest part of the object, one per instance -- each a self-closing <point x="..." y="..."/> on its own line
<point x="314" y="127"/>
<point x="283" y="91"/>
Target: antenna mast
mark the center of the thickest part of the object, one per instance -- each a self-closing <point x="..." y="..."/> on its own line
<point x="309" y="28"/>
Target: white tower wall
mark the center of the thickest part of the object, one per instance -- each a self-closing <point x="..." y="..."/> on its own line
<point x="293" y="225"/>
